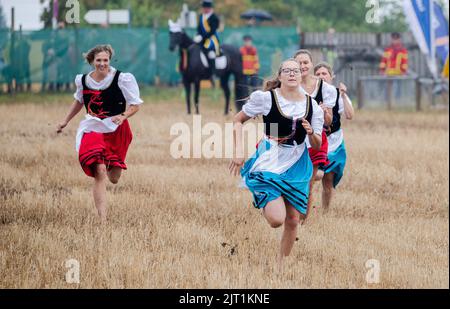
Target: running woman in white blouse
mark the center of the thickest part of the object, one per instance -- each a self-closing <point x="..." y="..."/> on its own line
<point x="325" y="95"/>
<point x="337" y="155"/>
<point x="278" y="174"/>
<point x="103" y="137"/>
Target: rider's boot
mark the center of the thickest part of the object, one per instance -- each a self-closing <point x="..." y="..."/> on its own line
<point x="212" y="64"/>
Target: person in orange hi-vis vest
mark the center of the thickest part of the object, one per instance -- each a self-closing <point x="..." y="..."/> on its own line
<point x="250" y="63"/>
<point x="395" y="58"/>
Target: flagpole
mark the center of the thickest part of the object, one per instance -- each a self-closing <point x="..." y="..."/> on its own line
<point x="433" y="41"/>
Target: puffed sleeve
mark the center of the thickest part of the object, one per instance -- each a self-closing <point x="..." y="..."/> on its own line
<point x="259" y="103"/>
<point x="78" y="95"/>
<point x="317" y="118"/>
<point x="329" y="95"/>
<point x="130" y="88"/>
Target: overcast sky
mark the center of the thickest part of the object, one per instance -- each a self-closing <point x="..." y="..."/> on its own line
<point x="27" y="13"/>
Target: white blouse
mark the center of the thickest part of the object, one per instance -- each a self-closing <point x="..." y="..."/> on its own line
<point x="280" y="157"/>
<point x="335" y="139"/>
<point x="260" y="103"/>
<point x="127" y="83"/>
<point x="329" y="94"/>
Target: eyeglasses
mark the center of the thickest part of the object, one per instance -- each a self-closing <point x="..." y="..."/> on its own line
<point x="288" y="71"/>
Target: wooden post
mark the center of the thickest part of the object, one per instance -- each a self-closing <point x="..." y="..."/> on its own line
<point x="12" y="19"/>
<point x="360" y="94"/>
<point x="153" y="38"/>
<point x="302" y="39"/>
<point x="418" y="95"/>
<point x="19" y="85"/>
<point x="378" y="39"/>
<point x="389" y="94"/>
<point x="433" y="95"/>
<point x="11" y="73"/>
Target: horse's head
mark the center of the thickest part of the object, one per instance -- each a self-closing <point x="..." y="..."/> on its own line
<point x="176" y="35"/>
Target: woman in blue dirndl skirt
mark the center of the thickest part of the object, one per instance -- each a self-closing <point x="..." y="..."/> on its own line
<point x="279" y="172"/>
<point x="337" y="155"/>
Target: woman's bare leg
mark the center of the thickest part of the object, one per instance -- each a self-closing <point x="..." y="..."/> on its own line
<point x="327" y="193"/>
<point x="319" y="175"/>
<point x="114" y="174"/>
<point x="275" y="212"/>
<point x="99" y="190"/>
<point x="290" y="230"/>
<point x="311" y="186"/>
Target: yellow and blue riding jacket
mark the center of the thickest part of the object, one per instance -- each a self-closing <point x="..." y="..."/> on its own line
<point x="207" y="28"/>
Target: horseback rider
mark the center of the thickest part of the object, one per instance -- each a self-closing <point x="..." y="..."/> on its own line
<point x="207" y="33"/>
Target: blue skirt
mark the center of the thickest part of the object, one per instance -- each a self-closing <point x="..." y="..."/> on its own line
<point x="337" y="159"/>
<point x="293" y="184"/>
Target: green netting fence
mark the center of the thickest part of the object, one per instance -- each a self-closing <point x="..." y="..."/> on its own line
<point x="49" y="57"/>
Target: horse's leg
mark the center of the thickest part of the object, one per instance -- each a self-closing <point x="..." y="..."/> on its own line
<point x="226" y="91"/>
<point x="187" y="90"/>
<point x="240" y="91"/>
<point x="196" y="95"/>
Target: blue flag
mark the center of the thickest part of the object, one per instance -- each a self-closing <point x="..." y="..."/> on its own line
<point x="420" y="17"/>
<point x="440" y="25"/>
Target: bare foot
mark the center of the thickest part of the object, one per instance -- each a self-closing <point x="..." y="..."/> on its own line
<point x="102" y="217"/>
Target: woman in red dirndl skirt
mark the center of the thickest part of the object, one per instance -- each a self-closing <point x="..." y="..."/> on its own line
<point x="104" y="136"/>
<point x="326" y="96"/>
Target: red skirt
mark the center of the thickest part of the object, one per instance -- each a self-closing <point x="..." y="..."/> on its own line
<point x="105" y="148"/>
<point x="320" y="157"/>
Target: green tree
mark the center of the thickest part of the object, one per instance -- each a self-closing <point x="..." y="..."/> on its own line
<point x="343" y="15"/>
<point x="313" y="15"/>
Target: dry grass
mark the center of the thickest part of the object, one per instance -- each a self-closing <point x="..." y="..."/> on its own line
<point x="185" y="224"/>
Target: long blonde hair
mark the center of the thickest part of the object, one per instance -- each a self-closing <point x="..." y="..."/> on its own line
<point x="275" y="81"/>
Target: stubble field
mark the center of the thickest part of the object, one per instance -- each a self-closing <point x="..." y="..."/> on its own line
<point x="184" y="223"/>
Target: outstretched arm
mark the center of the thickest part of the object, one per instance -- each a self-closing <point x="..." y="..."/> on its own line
<point x="238" y="154"/>
<point x="74" y="109"/>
